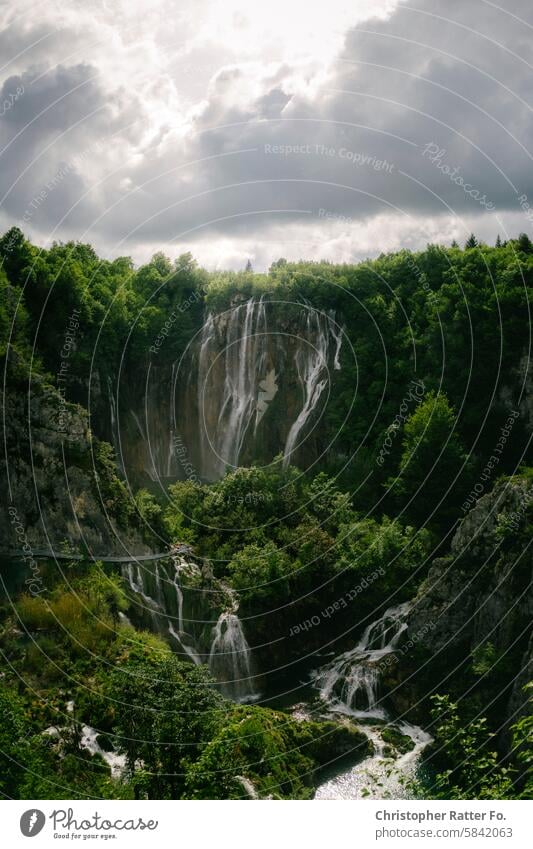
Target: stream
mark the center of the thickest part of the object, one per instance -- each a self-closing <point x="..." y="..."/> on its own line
<point x="346" y="688"/>
<point x="350" y="687"/>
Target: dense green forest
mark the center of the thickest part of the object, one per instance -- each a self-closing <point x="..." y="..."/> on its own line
<point x="439" y="347"/>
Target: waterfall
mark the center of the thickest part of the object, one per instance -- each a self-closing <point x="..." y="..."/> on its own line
<point x="160" y="617"/>
<point x="179" y="599"/>
<point x="89" y="741"/>
<point x="230" y="659"/>
<point x="115" y="433"/>
<point x="336" y="332"/>
<point x="311" y="366"/>
<point x="172" y="428"/>
<point x="350" y="685"/>
<point x="188" y="649"/>
<point x="140" y="428"/>
<point x="245" y="368"/>
<point x="204" y="360"/>
<point x="351" y="682"/>
<point x="383" y="634"/>
<point x="136" y="583"/>
<point x="245" y="356"/>
<point x="224" y="429"/>
<point x="181" y="636"/>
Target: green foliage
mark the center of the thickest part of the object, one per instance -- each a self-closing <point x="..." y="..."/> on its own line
<point x="265" y="754"/>
<point x="261" y="573"/>
<point x="433" y="459"/>
<point x="523" y="745"/>
<point x="165" y="711"/>
<point x="256" y="744"/>
<point x="470" y="764"/>
<point x="385" y="547"/>
<point x="484" y="658"/>
<point x="83" y="614"/>
<point x="150" y="512"/>
<point x="110" y="491"/>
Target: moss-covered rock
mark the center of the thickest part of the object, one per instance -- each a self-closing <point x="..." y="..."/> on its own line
<point x="261" y="753"/>
<point x="394" y="738"/>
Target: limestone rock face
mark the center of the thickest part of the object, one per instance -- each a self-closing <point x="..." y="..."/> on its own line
<point x="477" y="600"/>
<point x="252" y="384"/>
<point x="53" y="482"/>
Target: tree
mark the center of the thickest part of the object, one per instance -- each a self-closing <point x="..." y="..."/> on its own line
<point x="524" y="243"/>
<point x="248" y="267"/>
<point x="260" y="574"/>
<point x="432" y="456"/>
<point x="471" y="242"/>
<point x="498" y="241"/>
<point x="16" y="255"/>
<point x="166" y="710"/>
<point x="469" y="766"/>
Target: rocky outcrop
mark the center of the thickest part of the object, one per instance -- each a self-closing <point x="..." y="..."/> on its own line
<point x="469" y="627"/>
<point x="60" y="490"/>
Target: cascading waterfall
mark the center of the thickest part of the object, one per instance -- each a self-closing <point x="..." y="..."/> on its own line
<point x="135" y="580"/>
<point x="336" y="332"/>
<point x="383" y="634"/>
<point x="204" y="361"/>
<point x="245" y="356"/>
<point x="245" y="367"/>
<point x="350" y="685"/>
<point x="161" y="620"/>
<point x="242" y="360"/>
<point x="351" y="681"/>
<point x="181" y="636"/>
<point x="230" y="659"/>
<point x="172" y="432"/>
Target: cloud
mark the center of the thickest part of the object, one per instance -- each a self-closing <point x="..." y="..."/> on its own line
<point x="402" y="128"/>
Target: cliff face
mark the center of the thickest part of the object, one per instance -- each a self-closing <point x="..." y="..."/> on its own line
<point x="470" y="625"/>
<point x="252" y="383"/>
<point x="59" y="486"/>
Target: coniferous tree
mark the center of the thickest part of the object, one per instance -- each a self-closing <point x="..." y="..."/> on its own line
<point x="524" y="243"/>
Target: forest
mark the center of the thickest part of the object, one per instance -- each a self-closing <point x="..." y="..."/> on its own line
<point x="310" y="610"/>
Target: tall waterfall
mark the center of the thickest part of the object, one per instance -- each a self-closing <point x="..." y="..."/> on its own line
<point x="311" y="366"/>
<point x="230" y="659"/>
<point x="351" y="682"/>
<point x="238" y="398"/>
<point x="246" y="356"/>
<point x="115" y="431"/>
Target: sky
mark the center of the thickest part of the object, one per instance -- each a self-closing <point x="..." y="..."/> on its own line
<point x="240" y="130"/>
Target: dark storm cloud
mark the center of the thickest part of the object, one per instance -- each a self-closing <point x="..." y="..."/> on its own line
<point x="423" y="113"/>
<point x="419" y="114"/>
<point x="58" y="122"/>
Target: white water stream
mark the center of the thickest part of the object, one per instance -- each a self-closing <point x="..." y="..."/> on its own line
<point x="350" y="685"/>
